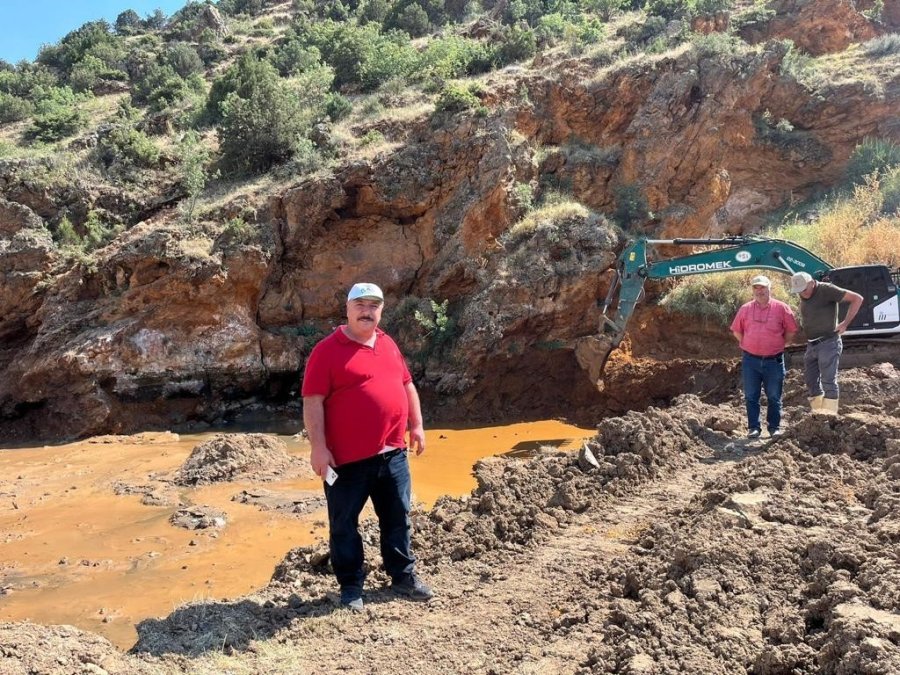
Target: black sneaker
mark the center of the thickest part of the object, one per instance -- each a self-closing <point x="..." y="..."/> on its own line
<point x="754" y="433"/>
<point x="775" y="433"/>
<point x="413" y="588"/>
<point x="351" y="598"/>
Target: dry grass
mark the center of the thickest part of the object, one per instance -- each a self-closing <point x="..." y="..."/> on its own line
<point x="853" y="231"/>
<point x="717" y="297"/>
<point x="852" y="67"/>
<point x="551" y="212"/>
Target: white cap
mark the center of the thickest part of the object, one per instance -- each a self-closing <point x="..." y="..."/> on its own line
<point x="799" y="281"/>
<point x="365" y="291"/>
<point x="760" y="280"/>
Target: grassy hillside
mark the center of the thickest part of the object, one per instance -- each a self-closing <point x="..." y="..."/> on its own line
<point x="243" y="95"/>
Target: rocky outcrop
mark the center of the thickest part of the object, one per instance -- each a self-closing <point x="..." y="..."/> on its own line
<point x="27" y="254"/>
<point x="169" y="323"/>
<point x="818" y="26"/>
<point x="161" y="330"/>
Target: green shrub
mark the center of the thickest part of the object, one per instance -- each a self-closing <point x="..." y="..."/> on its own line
<point x="90" y="71"/>
<point x="295" y="57"/>
<point x="717" y="44"/>
<point x="76" y="45"/>
<point x="453" y="56"/>
<point x="714" y="297"/>
<point x="607" y="8"/>
<point x="238" y="232"/>
<point x="389" y="59"/>
<point x="337" y="107"/>
<point x="361" y="56"/>
<point x="97" y="233"/>
<point x="890" y="191"/>
<point x="642" y="32"/>
<point x="667" y="9"/>
<point x="160" y="87"/>
<point x="755" y="15"/>
<point x="589" y="31"/>
<point x="412" y="19"/>
<point x="306" y="159"/>
<point x="523" y="195"/>
<point x="516" y="44"/>
<point x="57" y="115"/>
<point x="28" y="81"/>
<point x="66" y="235"/>
<point x="872" y="155"/>
<point x="234" y="7"/>
<point x="551" y="28"/>
<point x="13" y="108"/>
<point x="884" y="45"/>
<point x="265" y="119"/>
<point x="156" y="20"/>
<point x="875" y="13"/>
<point x="802" y="67"/>
<point x="184" y="59"/>
<point x="371" y="137"/>
<point x="374" y="11"/>
<point x="456" y="98"/>
<point x="193" y="156"/>
<point x="124" y="148"/>
<point x="707" y="7"/>
<point x="631" y="205"/>
<point x="439" y="328"/>
<point x="128" y="23"/>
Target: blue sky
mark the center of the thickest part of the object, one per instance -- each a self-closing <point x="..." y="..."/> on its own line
<point x="27" y="24"/>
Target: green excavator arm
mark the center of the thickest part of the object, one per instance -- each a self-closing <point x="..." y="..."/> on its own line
<point x="634" y="268"/>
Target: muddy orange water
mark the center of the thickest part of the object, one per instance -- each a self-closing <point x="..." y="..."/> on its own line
<point x="72" y="551"/>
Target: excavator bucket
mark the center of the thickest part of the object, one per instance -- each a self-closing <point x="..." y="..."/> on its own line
<point x="592" y="352"/>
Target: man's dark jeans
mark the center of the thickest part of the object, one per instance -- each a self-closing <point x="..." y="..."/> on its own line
<point x="767" y="374"/>
<point x="384" y="478"/>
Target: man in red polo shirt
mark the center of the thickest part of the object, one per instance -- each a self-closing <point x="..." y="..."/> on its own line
<point x="763" y="327"/>
<point x="358" y="397"/>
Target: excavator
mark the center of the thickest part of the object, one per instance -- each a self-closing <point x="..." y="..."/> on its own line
<point x="879" y="285"/>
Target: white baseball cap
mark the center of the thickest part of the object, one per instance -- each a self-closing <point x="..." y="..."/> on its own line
<point x="799" y="281"/>
<point x="760" y="280"/>
<point x="365" y="291"/>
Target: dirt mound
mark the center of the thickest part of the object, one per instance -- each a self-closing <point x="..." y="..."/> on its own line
<point x="229" y="457"/>
<point x="875" y="389"/>
<point x="788" y="563"/>
<point x="29" y="648"/>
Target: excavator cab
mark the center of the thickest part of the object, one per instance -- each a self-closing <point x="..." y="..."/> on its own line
<point x="877" y="284"/>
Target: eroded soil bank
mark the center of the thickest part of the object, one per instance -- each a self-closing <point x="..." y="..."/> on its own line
<point x="682" y="548"/>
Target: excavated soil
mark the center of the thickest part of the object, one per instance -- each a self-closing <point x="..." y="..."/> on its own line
<point x="668" y="544"/>
<point x="229" y="457"/>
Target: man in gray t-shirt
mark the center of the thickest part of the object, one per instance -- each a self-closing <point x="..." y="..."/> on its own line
<point x="819" y="313"/>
